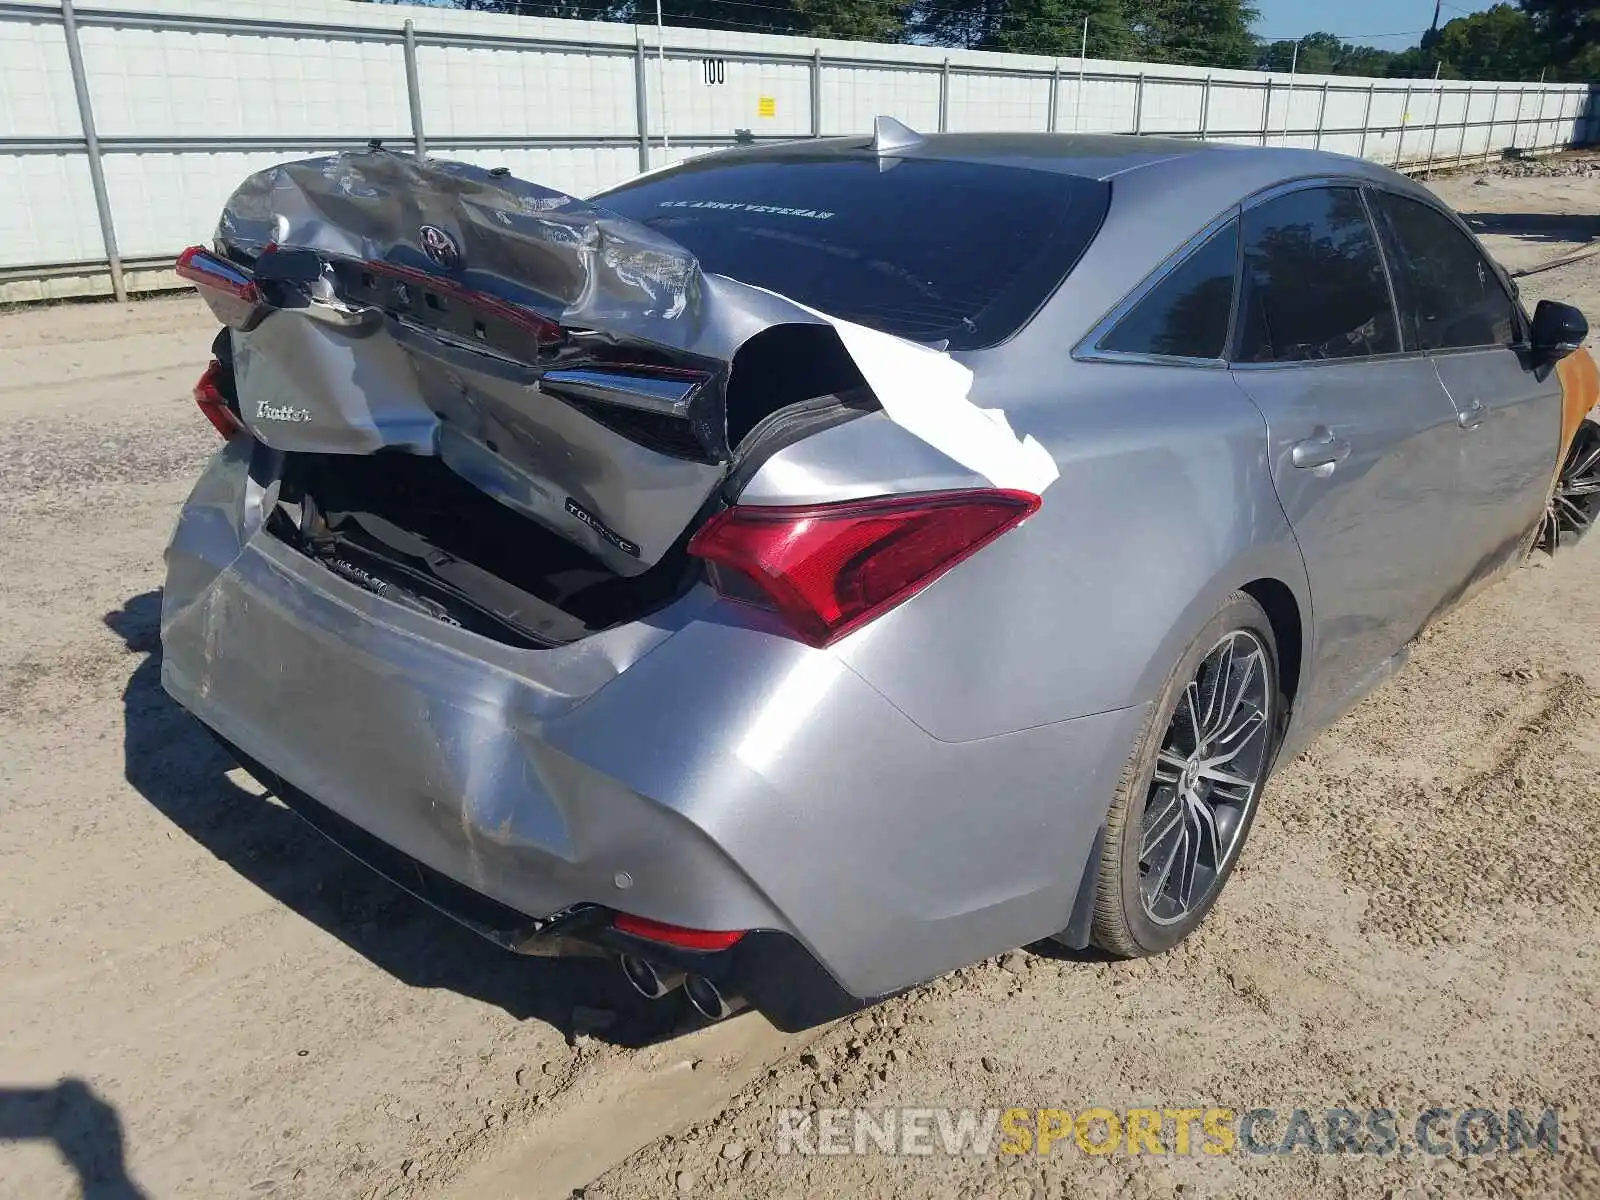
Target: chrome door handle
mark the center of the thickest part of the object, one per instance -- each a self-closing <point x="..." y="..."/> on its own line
<point x="1321" y="451"/>
<point x="1472" y="416"/>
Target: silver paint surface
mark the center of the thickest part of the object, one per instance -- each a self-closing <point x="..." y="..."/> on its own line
<point x="926" y="791"/>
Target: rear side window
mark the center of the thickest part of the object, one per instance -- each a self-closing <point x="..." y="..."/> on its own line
<point x="1186" y="314"/>
<point x="1313" y="285"/>
<point x="962" y="253"/>
<point x="1449" y="295"/>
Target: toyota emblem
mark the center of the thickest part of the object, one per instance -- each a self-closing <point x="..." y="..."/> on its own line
<point x="440" y="247"/>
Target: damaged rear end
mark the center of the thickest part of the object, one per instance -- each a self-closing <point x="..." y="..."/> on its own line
<point x="458" y="587"/>
<point x="494" y="402"/>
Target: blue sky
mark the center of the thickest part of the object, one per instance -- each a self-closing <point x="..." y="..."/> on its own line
<point x="1387" y="24"/>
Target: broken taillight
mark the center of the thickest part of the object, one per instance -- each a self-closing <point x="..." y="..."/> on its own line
<point x="230" y="293"/>
<point x="214" y="404"/>
<point x="830" y="568"/>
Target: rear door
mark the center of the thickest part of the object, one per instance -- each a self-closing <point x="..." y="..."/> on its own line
<point x="1363" y="439"/>
<point x="1454" y="305"/>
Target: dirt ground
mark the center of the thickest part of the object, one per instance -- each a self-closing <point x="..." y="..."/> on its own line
<point x="202" y="999"/>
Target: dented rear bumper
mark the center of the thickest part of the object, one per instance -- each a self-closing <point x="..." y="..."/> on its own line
<point x="694" y="768"/>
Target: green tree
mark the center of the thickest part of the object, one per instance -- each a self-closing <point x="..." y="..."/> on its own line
<point x="857" y="20"/>
<point x="1500" y="43"/>
<point x="1026" y="26"/>
<point x="1569" y="29"/>
<point x="1201" y="33"/>
<point x="1320" y="54"/>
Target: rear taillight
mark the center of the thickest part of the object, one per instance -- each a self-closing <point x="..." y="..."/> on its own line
<point x="830" y="568"/>
<point x="214" y="404"/>
<point x="230" y="293"/>
<point x="676" y="935"/>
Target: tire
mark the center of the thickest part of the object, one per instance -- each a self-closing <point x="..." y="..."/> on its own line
<point x="1133" y="916"/>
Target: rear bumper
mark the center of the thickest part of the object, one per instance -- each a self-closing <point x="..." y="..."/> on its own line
<point x="694" y="769"/>
<point x="769" y="969"/>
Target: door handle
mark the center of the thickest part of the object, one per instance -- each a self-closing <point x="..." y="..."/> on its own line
<point x="1322" y="451"/>
<point x="1472" y="416"/>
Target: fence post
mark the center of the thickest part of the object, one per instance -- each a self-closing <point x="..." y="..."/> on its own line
<point x="1438" y="116"/>
<point x="1138" y="104"/>
<point x="419" y="143"/>
<point x="1266" y="111"/>
<point x="1466" y="118"/>
<point x="1055" y="91"/>
<point x="1516" y="125"/>
<point x="816" y="92"/>
<point x="944" y="97"/>
<point x="1405" y="116"/>
<point x="641" y="99"/>
<point x="91" y="141"/>
<point x="1205" y="108"/>
<point x="1494" y="113"/>
<point x="1322" y="112"/>
<point x="1366" y="121"/>
<point x="1538" y="123"/>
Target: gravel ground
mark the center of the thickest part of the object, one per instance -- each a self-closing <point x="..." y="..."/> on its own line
<point x="202" y="999"/>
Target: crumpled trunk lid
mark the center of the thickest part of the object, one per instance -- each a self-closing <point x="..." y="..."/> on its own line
<point x="573" y="365"/>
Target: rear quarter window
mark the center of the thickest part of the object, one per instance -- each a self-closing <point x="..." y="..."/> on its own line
<point x="1186" y="314"/>
<point x="935" y="251"/>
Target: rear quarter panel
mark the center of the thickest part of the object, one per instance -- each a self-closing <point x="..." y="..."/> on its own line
<point x="1165" y="505"/>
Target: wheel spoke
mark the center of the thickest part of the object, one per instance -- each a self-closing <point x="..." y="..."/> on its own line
<point x="1252" y="723"/>
<point x="1226" y="778"/>
<point x="1221" y="675"/>
<point x="1589" y="460"/>
<point x="1238" y="697"/>
<point x="1206" y="826"/>
<point x="1156" y="831"/>
<point x="1575" y="516"/>
<point x="1191" y="697"/>
<point x="1169" y="767"/>
<point x="1190" y="866"/>
<point x="1178" y="845"/>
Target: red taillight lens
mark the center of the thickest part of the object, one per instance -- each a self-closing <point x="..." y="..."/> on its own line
<point x="208" y="395"/>
<point x="676" y="935"/>
<point x="230" y="293"/>
<point x="831" y="568"/>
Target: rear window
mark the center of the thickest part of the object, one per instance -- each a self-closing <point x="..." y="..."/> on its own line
<point x="934" y="251"/>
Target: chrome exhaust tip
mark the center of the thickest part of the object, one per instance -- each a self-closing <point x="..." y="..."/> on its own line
<point x="646" y="979"/>
<point x="708" y="999"/>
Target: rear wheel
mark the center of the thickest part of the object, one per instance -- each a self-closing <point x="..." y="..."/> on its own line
<point x="1575" y="500"/>
<point x="1189" y="793"/>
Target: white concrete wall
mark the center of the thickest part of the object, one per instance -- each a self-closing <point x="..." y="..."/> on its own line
<point x="188" y="96"/>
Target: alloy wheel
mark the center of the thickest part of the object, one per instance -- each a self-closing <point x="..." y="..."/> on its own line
<point x="1208" y="774"/>
<point x="1575" y="502"/>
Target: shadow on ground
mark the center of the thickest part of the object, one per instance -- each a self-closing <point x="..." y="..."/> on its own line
<point x="1536" y="227"/>
<point x="84" y="1129"/>
<point x="175" y="764"/>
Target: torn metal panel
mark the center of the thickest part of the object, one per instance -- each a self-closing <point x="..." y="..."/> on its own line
<point x="571" y="363"/>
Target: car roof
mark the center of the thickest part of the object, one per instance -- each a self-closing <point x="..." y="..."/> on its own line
<point x="1163" y="191"/>
<point x="1103" y="156"/>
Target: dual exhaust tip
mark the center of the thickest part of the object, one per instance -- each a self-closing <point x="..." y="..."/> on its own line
<point x="654" y="983"/>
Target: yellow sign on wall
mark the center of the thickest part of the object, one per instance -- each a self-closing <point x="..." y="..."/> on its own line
<point x="767" y="106"/>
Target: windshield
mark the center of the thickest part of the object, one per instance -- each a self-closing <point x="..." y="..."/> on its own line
<point x="929" y="250"/>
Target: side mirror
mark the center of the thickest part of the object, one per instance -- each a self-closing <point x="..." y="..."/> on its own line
<point x="1558" y="329"/>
